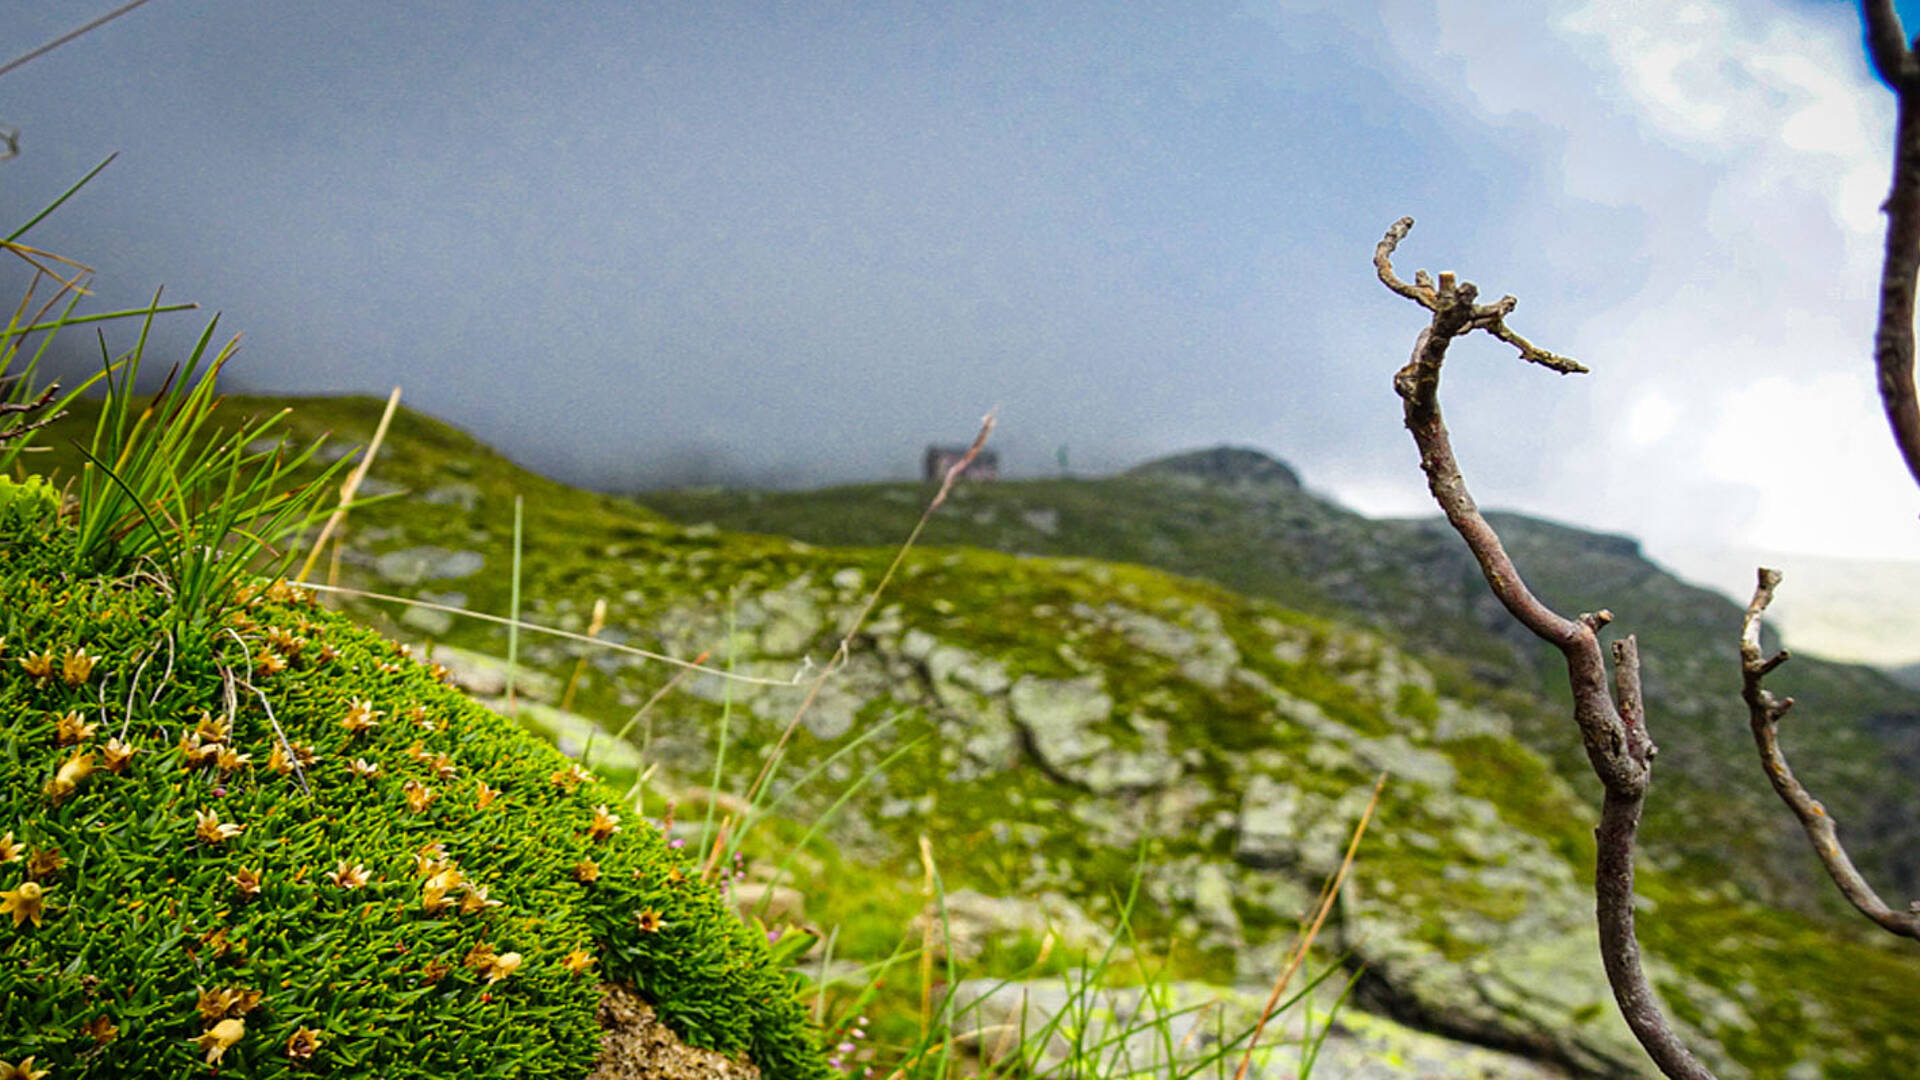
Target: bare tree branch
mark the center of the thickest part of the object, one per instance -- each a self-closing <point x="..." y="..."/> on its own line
<point x="1612" y="728"/>
<point x="1887" y="42"/>
<point x="1764" y="713"/>
<point x="1893" y="348"/>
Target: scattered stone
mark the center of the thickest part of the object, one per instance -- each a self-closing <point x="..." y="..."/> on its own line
<point x="411" y="566"/>
<point x="774" y="905"/>
<point x="1269" y="824"/>
<point x="1044" y="520"/>
<point x="430" y="621"/>
<point x="460" y="494"/>
<point x="486" y="676"/>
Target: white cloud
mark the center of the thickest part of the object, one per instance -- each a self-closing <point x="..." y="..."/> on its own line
<point x="1650" y="420"/>
<point x="1743" y="151"/>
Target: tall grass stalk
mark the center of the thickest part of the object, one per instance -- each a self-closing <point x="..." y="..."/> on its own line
<point x="162" y="483"/>
<point x="352" y="486"/>
<point x="513" y="607"/>
<point x="845" y="648"/>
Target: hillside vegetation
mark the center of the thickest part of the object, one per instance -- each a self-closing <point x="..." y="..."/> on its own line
<point x="1238" y="518"/>
<point x="1049" y="723"/>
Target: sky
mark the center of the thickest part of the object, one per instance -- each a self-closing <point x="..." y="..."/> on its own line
<point x="792" y="244"/>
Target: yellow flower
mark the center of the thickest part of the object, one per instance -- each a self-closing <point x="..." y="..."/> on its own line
<point x="73" y="728"/>
<point x="480" y="957"/>
<point x="43" y="863"/>
<point x="207" y="826"/>
<point x="218" y="1002"/>
<point x="419" y="796"/>
<point x="348" y="876"/>
<point x="476" y="900"/>
<point x="485" y="795"/>
<point x="9" y="851"/>
<point x="230" y="759"/>
<point x="503" y="965"/>
<point x="194" y="752"/>
<point x="418" y="752"/>
<point x="571" y="777"/>
<point x="270" y="663"/>
<point x="586" y="870"/>
<point x="101" y="1029"/>
<point x="213" y="728"/>
<point x="218" y="1038"/>
<point x="433" y="895"/>
<point x="76" y="667"/>
<point x="73" y="772"/>
<point x="285" y="758"/>
<point x="38" y="665"/>
<point x="605" y="823"/>
<point x="285" y="640"/>
<point x="115" y="755"/>
<point x="443" y="766"/>
<point x="22" y="1071"/>
<point x="364" y="769"/>
<point x="26" y="902"/>
<point x="650" y="921"/>
<point x="303" y="1043"/>
<point x="430" y="859"/>
<point x="247" y="881"/>
<point x="361" y="716"/>
<point x="577" y="961"/>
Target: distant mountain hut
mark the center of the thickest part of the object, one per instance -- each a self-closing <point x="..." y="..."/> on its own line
<point x="986" y="464"/>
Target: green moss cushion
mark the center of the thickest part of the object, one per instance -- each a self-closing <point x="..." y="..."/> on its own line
<point x="292" y="850"/>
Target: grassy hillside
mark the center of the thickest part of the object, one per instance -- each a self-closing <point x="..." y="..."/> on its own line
<point x="1257" y="531"/>
<point x="1053" y="726"/>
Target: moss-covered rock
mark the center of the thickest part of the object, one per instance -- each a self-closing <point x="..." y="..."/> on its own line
<point x="297" y="851"/>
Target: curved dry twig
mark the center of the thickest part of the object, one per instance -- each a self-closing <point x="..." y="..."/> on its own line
<point x="1611" y="719"/>
<point x="1893" y="346"/>
<point x="1764" y="712"/>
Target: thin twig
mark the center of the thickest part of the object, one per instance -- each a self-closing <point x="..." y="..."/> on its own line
<point x="1764" y="711"/>
<point x="502" y="620"/>
<point x="70" y="35"/>
<point x="1613" y="729"/>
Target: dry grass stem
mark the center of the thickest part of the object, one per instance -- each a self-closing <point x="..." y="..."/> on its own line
<point x="1299" y="955"/>
<point x="351" y="486"/>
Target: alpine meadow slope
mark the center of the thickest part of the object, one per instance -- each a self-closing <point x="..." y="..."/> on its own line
<point x="1047" y="723"/>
